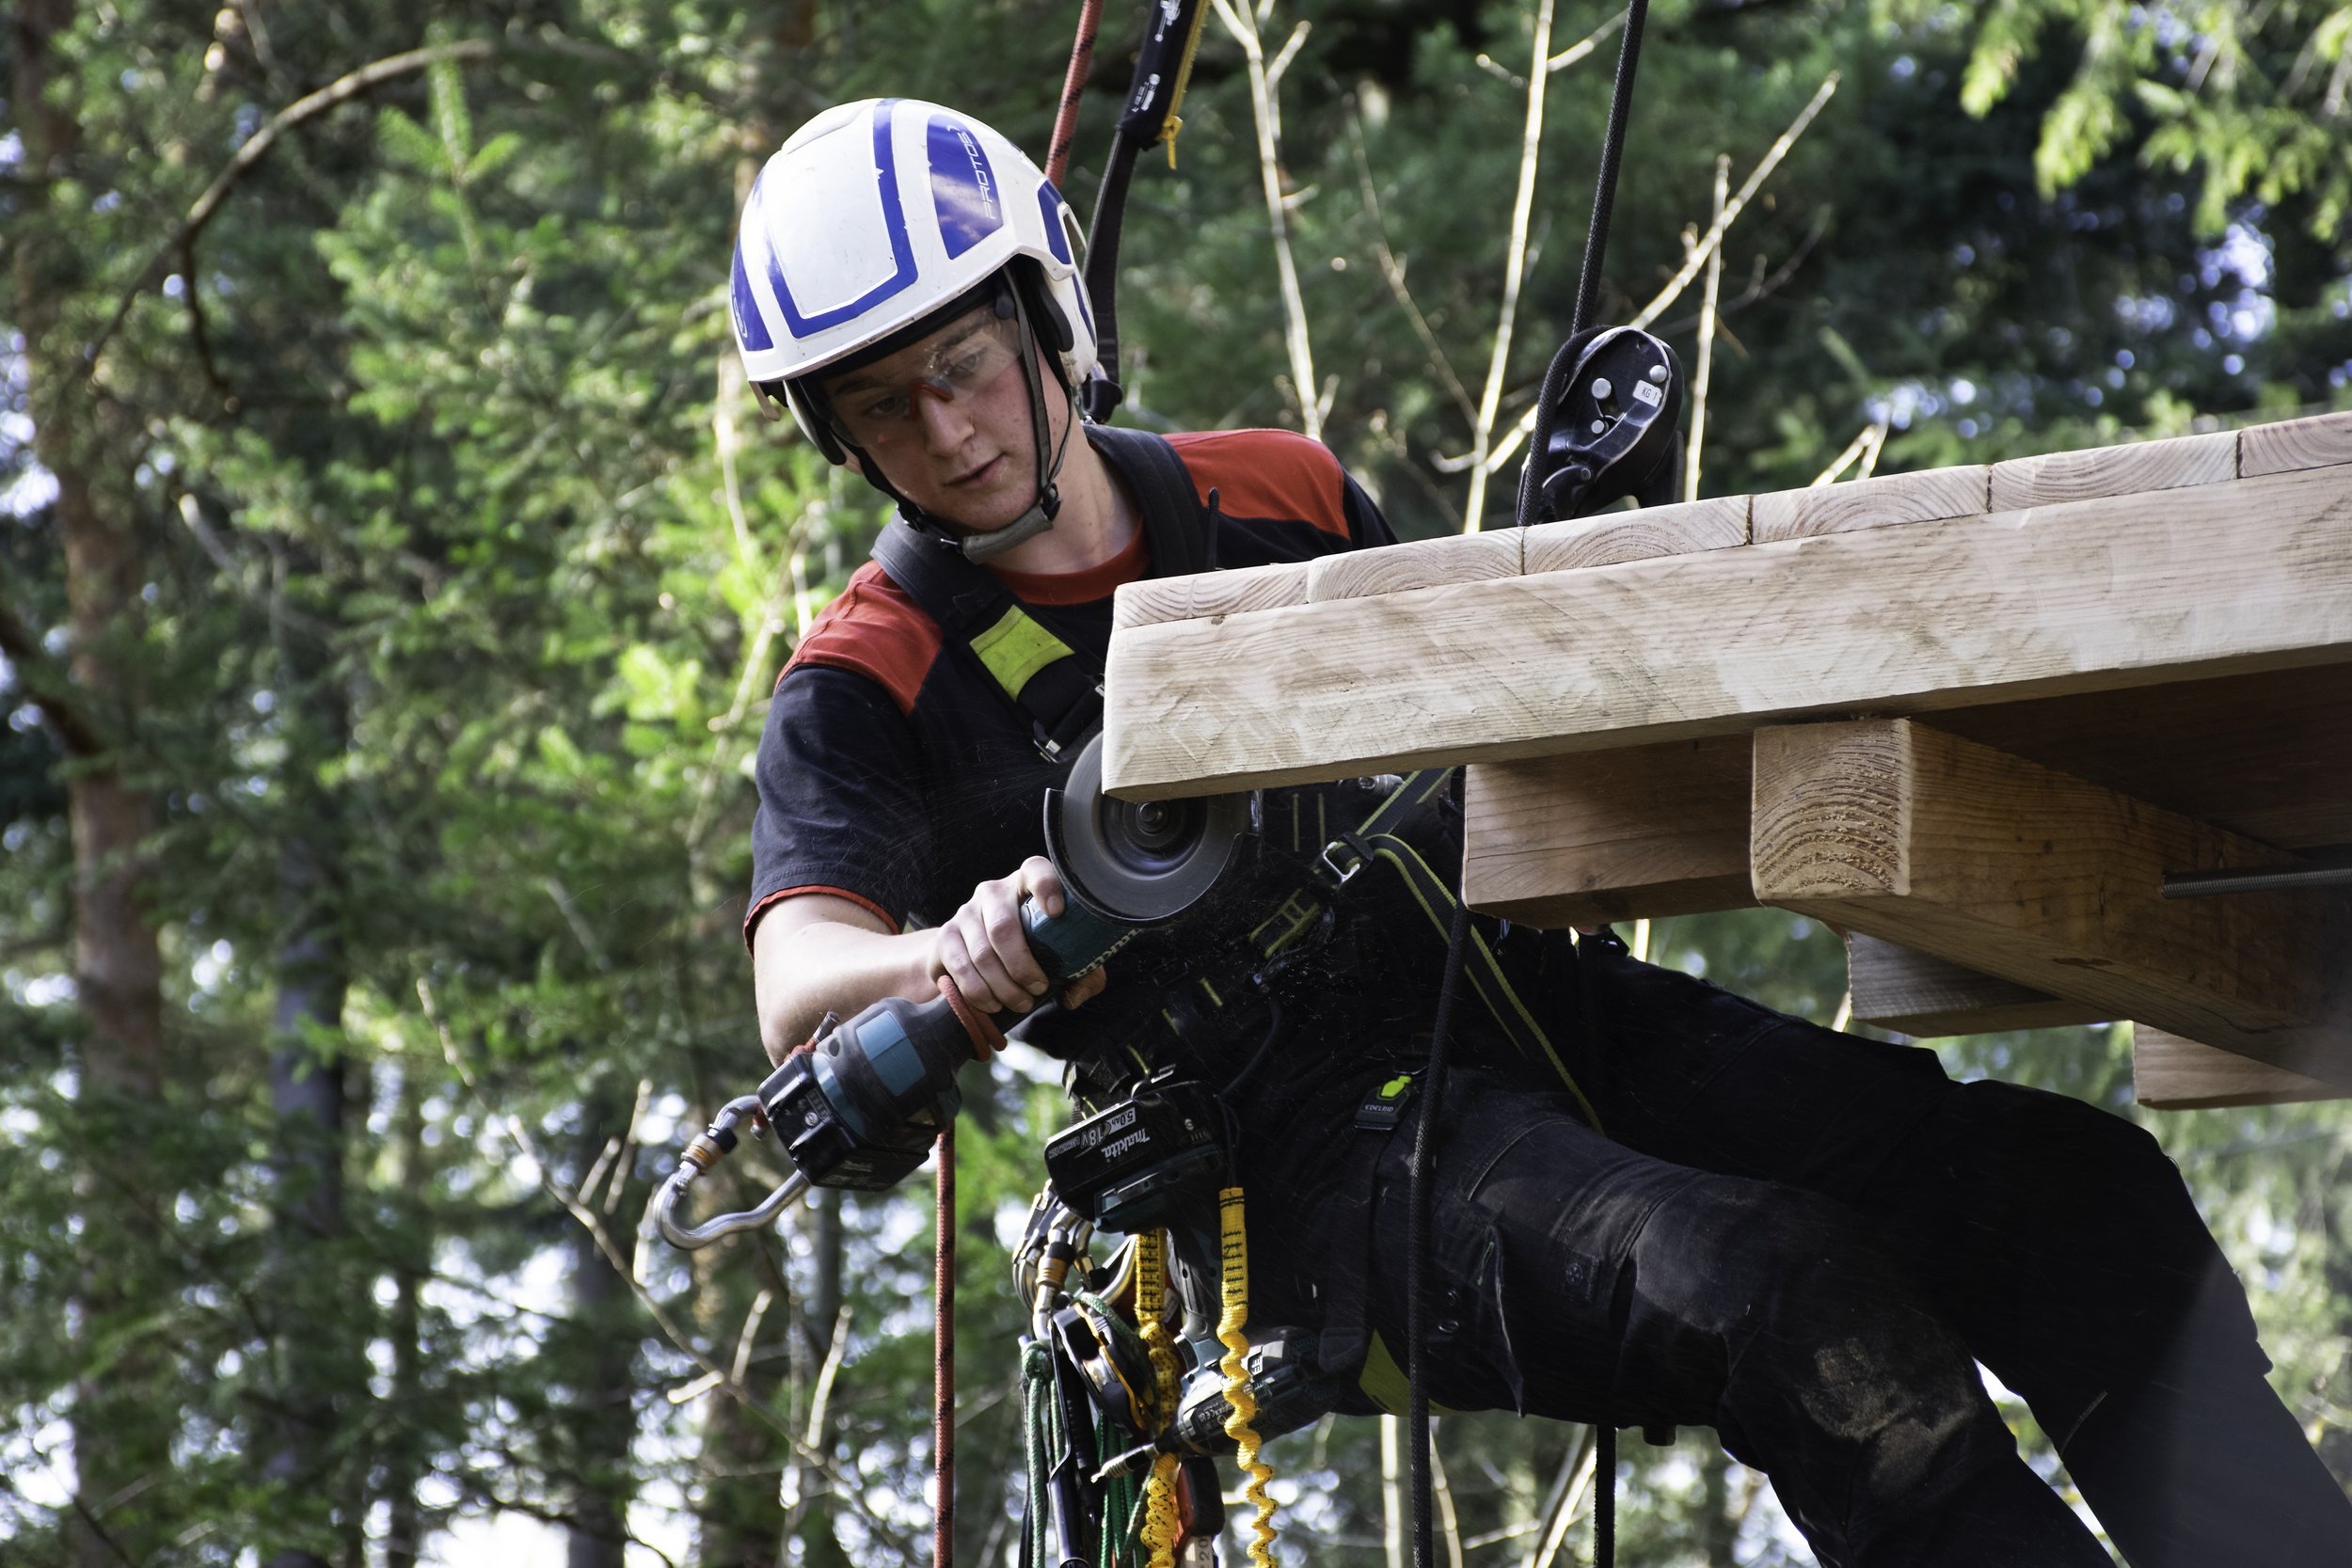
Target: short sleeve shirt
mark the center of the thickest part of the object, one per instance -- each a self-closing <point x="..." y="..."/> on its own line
<point x="895" y="773"/>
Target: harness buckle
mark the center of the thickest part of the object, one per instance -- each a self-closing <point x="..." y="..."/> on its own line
<point x="1341" y="875"/>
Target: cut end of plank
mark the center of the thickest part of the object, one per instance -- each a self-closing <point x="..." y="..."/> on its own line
<point x="2171" y="1073"/>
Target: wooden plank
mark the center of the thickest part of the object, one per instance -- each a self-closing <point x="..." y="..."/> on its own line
<point x="1938" y="844"/>
<point x="1610" y="835"/>
<point x="1716" y="523"/>
<point x="1419" y="563"/>
<point x="2095" y="596"/>
<point x="2267" y="755"/>
<point x="1209" y="595"/>
<point x="2170" y="1073"/>
<point x="1919" y="994"/>
<point x="2143" y="466"/>
<point x="1925" y="497"/>
<point x="2314" y="443"/>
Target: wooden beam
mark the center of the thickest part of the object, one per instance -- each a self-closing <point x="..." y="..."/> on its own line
<point x="2170" y="1073"/>
<point x="1938" y="844"/>
<point x="2317" y="442"/>
<point x="1925" y="497"/>
<point x="1209" y="595"/>
<point x="1418" y="564"/>
<point x="1613" y="538"/>
<point x="1635" y="834"/>
<point x="2134" y="469"/>
<point x="1918" y="994"/>
<point x="2092" y="595"/>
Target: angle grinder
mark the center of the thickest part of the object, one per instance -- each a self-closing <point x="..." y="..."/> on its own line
<point x="860" y="1106"/>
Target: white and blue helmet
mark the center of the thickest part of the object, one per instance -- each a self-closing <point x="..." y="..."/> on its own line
<point x="875" y="215"/>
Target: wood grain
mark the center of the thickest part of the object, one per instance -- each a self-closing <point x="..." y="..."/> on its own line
<point x="1927" y="496"/>
<point x="1209" y="595"/>
<point x="1994" y="864"/>
<point x="2170" y="1073"/>
<point x="1419" y="563"/>
<point x="1635" y="834"/>
<point x="1614" y="537"/>
<point x="1918" y="994"/>
<point x="2143" y="466"/>
<point x="2314" y="443"/>
<point x="2095" y="596"/>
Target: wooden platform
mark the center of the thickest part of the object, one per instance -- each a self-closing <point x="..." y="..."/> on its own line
<point x="1975" y="713"/>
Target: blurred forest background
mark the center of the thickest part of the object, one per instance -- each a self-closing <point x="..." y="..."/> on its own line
<point x="393" y="570"/>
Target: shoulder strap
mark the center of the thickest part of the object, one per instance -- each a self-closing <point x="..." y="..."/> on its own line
<point x="1180" y="529"/>
<point x="1056" y="689"/>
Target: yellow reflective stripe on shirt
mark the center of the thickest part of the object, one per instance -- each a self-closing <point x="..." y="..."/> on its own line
<point x="1016" y="648"/>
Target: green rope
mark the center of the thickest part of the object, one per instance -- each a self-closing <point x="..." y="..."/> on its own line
<point x="1040" y="1425"/>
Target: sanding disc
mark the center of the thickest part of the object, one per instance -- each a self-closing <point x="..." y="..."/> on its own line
<point x="1138" y="861"/>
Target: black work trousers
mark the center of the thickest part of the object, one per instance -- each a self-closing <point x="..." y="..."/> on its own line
<point x="1800" y="1239"/>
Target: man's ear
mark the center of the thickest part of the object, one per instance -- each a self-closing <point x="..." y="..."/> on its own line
<point x="849" y="461"/>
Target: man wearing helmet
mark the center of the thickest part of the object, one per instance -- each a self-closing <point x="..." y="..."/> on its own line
<point x="1795" y="1237"/>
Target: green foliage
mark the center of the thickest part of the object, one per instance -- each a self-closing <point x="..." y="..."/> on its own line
<point x="468" y="565"/>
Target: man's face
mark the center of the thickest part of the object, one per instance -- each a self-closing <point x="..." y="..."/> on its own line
<point x="946" y="419"/>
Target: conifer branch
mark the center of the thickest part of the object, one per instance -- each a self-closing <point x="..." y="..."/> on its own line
<point x="182" y="240"/>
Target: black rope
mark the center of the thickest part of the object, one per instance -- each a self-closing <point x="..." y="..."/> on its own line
<point x="1417" y="1244"/>
<point x="1588" y="275"/>
<point x="1612" y="153"/>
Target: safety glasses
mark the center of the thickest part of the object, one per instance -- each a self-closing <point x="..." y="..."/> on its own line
<point x="874" y="405"/>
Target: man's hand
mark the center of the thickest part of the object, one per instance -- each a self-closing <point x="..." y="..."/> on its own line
<point x="982" y="947"/>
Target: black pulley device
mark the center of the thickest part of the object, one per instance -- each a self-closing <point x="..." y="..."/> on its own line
<point x="1612" y="402"/>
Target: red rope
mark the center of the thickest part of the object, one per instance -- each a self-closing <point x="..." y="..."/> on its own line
<point x="987" y="1039"/>
<point x="943" y="1359"/>
<point x="1073" y="85"/>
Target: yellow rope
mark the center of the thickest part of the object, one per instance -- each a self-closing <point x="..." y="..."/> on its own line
<point x="1234" y="1247"/>
<point x="1159" y="1488"/>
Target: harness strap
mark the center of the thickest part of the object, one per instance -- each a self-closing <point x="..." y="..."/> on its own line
<point x="1050" y="684"/>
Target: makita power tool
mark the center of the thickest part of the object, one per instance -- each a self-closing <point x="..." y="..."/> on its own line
<point x="859" y="1107"/>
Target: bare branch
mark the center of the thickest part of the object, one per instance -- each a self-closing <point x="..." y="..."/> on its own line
<point x="1393" y="271"/>
<point x="182" y="240"/>
<point x="1515" y="271"/>
<point x="1243" y="24"/>
<point x="1490" y="461"/>
<point x="1865" y="445"/>
<point x="1707" y="339"/>
<point x="1585" y="45"/>
<point x="1714" y="236"/>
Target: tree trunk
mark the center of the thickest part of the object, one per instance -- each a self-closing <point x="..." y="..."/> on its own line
<point x="122" y="1421"/>
<point x="604" y="1422"/>
<point x="401" y="1450"/>
<point x="309" y="1090"/>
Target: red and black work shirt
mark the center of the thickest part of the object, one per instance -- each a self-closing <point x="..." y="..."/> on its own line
<point x="895" y="773"/>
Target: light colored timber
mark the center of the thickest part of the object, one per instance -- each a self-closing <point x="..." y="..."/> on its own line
<point x="1634" y="834"/>
<point x="1418" y="563"/>
<point x="1920" y="838"/>
<point x="2317" y="442"/>
<point x="2170" y="1073"/>
<point x="1612" y="538"/>
<point x="1209" y="595"/>
<point x="1919" y="994"/>
<point x="2143" y="466"/>
<point x="2104" y="595"/>
<point x="1924" y="497"/>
